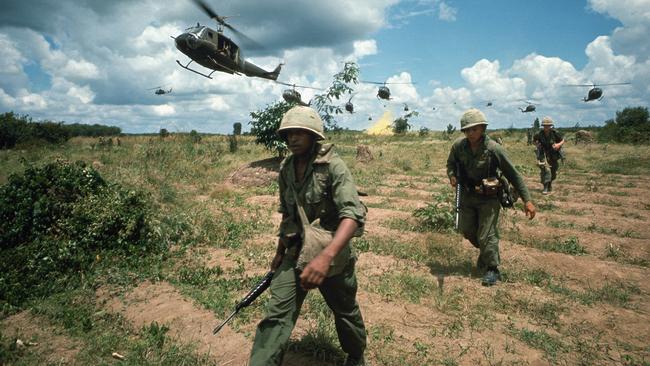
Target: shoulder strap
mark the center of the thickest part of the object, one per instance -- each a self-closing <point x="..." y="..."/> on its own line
<point x="301" y="210"/>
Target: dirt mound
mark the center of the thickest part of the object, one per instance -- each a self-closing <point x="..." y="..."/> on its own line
<point x="162" y="303"/>
<point x="46" y="340"/>
<point x="258" y="173"/>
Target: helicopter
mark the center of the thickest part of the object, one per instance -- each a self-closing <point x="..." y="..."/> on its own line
<point x="383" y="92"/>
<point x="292" y="95"/>
<point x="213" y="50"/>
<point x="595" y="93"/>
<point x="161" y="91"/>
<point x="529" y="108"/>
<point x="349" y="106"/>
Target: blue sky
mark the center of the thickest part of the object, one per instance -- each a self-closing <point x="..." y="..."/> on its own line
<point x="94" y="61"/>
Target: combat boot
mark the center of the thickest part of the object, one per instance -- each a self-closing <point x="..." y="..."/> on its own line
<point x="355" y="361"/>
<point x="491" y="277"/>
<point x="546" y="190"/>
<point x="550" y="186"/>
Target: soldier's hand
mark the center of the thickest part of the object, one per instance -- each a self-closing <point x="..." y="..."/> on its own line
<point x="315" y="272"/>
<point x="529" y="208"/>
<point x="453" y="182"/>
<point x="277" y="260"/>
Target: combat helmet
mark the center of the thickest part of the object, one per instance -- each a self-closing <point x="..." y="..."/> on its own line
<point x="547" y="121"/>
<point x="304" y="118"/>
<point x="472" y="117"/>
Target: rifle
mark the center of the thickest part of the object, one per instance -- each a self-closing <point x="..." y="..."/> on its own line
<point x="248" y="299"/>
<point x="458" y="191"/>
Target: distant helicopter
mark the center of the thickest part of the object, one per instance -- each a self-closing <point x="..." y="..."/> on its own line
<point x="160" y="90"/>
<point x="383" y="92"/>
<point x="292" y="95"/>
<point x="349" y="106"/>
<point x="529" y="108"/>
<point x="488" y="104"/>
<point x="212" y="49"/>
<point x="369" y="117"/>
<point x="406" y="107"/>
<point x="595" y="93"/>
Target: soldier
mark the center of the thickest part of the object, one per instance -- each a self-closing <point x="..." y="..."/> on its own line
<point x="314" y="184"/>
<point x="549" y="144"/>
<point x="475" y="162"/>
<point x="529" y="136"/>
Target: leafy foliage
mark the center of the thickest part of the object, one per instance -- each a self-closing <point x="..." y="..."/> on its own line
<point x="401" y="125"/>
<point x="436" y="216"/>
<point x="265" y="122"/>
<point x="56" y="220"/>
<point x="236" y="128"/>
<point x="163" y="133"/>
<point x="340" y="86"/>
<point x="16" y="129"/>
<point x="632" y="125"/>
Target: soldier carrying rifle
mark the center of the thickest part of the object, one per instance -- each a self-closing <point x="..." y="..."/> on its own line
<point x="549" y="151"/>
<point x="477" y="161"/>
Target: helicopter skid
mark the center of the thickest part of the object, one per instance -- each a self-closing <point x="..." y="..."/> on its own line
<point x="209" y="76"/>
<point x="224" y="67"/>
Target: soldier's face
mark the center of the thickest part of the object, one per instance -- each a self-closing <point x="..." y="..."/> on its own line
<point x="474" y="133"/>
<point x="547" y="129"/>
<point x="299" y="141"/>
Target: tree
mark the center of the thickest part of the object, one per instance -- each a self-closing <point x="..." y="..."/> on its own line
<point x="236" y="128"/>
<point x="340" y="86"/>
<point x="163" y="133"/>
<point x="265" y="122"/>
<point x="401" y="125"/>
<point x="632" y="117"/>
<point x="450" y="129"/>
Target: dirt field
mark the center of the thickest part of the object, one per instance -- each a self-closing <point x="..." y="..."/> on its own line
<point x="575" y="287"/>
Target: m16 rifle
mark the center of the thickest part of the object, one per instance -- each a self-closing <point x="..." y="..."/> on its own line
<point x="459" y="186"/>
<point x="248" y="299"/>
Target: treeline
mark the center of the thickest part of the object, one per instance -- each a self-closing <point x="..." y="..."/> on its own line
<point x="18" y="129"/>
<point x="632" y="125"/>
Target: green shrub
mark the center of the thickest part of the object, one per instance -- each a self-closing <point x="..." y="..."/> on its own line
<point x="436" y="216"/>
<point x="57" y="220"/>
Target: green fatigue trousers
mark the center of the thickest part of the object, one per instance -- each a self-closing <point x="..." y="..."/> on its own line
<point x="339" y="292"/>
<point x="548" y="172"/>
<point x="478" y="220"/>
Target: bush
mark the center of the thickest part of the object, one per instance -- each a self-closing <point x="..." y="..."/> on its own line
<point x="54" y="222"/>
<point x="631" y="126"/>
<point x="436" y="216"/>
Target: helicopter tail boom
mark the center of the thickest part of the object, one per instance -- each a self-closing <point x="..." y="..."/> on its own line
<point x="273" y="75"/>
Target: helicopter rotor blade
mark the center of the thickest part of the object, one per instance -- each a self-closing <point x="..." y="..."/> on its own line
<point x="297" y="86"/>
<point x="251" y="44"/>
<point x="211" y="13"/>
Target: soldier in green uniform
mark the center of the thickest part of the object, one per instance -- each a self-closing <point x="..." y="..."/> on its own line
<point x="549" y="143"/>
<point x="473" y="162"/>
<point x="315" y="180"/>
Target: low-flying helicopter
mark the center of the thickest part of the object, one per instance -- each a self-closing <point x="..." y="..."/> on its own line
<point x="383" y="92"/>
<point x="595" y="93"/>
<point x="160" y="90"/>
<point x="213" y="50"/>
<point x="529" y="108"/>
<point x="292" y="95"/>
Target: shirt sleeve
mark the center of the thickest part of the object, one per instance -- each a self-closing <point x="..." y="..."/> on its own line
<point x="509" y="170"/>
<point x="344" y="193"/>
<point x="451" y="162"/>
<point x="558" y="137"/>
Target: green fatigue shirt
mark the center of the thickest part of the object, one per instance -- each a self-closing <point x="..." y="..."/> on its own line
<point x="327" y="192"/>
<point x="548" y="141"/>
<point x="474" y="165"/>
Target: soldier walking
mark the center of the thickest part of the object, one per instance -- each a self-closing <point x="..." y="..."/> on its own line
<point x="315" y="184"/>
<point x="549" y="146"/>
<point x="475" y="161"/>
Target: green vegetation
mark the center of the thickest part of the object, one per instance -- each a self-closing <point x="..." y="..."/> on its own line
<point x="632" y="125"/>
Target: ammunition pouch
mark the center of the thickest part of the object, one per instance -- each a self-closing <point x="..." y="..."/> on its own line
<point x="507" y="194"/>
<point x="489" y="187"/>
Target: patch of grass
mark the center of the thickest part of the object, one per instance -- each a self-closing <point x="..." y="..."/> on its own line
<point x="614" y="293"/>
<point x="561" y="224"/>
<point x="627" y="233"/>
<point x="570" y="245"/>
<point x="541" y="340"/>
<point x="618" y="193"/>
<point x="381" y="333"/>
<point x="632" y="215"/>
<point x="575" y="212"/>
<point x="198" y="277"/>
<point x="547" y="206"/>
<point x="320" y="341"/>
<point x="608" y="202"/>
<point x="402" y="286"/>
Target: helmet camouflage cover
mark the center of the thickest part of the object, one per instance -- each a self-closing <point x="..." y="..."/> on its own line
<point x="303" y="118"/>
<point x="472" y="117"/>
<point x="547" y="121"/>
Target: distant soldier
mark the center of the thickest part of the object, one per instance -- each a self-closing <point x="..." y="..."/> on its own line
<point x="529" y="136"/>
<point x="474" y="162"/>
<point x="315" y="186"/>
<point x="549" y="144"/>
